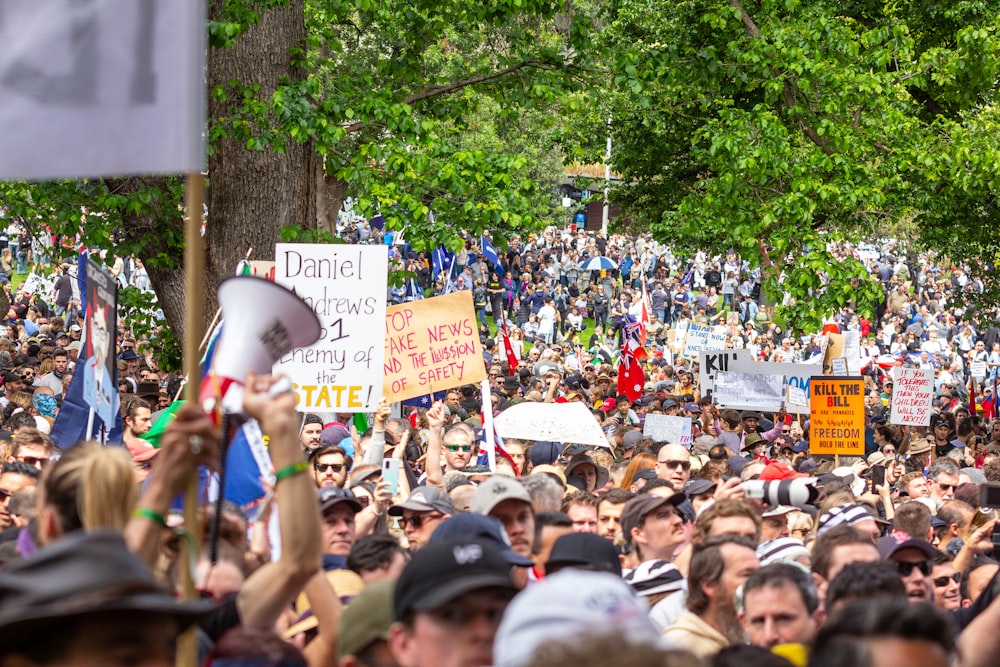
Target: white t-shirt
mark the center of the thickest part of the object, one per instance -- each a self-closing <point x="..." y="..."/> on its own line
<point x="546" y="319"/>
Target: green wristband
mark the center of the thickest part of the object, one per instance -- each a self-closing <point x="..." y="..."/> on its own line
<point x="152" y="515"/>
<point x="289" y="471"/>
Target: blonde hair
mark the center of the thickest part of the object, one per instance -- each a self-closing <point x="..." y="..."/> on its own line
<point x="91" y="487"/>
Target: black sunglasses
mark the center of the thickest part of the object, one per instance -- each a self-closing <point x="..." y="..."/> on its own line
<point x="943" y="581"/>
<point x="323" y="467"/>
<point x="905" y="569"/>
<point x="417" y="520"/>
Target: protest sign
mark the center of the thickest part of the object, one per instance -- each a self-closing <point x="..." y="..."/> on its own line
<point x="555" y="422"/>
<point x="796" y="397"/>
<point x="664" y="428"/>
<point x="837" y="416"/>
<point x="345" y="285"/>
<point x="679" y="336"/>
<point x="852" y="351"/>
<point x="912" y="396"/>
<point x="840" y="367"/>
<point x="700" y="337"/>
<point x="711" y="362"/>
<point x="834" y="350"/>
<point x="796" y="375"/>
<point x="101" y="88"/>
<point x="431" y="345"/>
<point x="749" y="391"/>
<point x="97" y="346"/>
<point x="977" y="369"/>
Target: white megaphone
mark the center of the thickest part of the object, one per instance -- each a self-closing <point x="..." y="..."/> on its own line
<point x="262" y="321"/>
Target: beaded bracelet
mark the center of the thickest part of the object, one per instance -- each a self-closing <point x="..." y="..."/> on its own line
<point x="290" y="471"/>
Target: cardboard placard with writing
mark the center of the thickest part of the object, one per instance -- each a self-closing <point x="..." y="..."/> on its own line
<point x="701" y="337"/>
<point x="665" y="428"/>
<point x="345" y="285"/>
<point x="430" y="345"/>
<point x="912" y="396"/>
<point x="834" y="350"/>
<point x="711" y="362"/>
<point x="837" y="416"/>
<point x="796" y="376"/>
<point x="749" y="391"/>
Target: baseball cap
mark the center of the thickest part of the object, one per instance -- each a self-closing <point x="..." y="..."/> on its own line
<point x="840" y="515"/>
<point x="584" y="551"/>
<point x="329" y="496"/>
<point x="480" y="527"/>
<point x="777" y="471"/>
<point x="425" y="499"/>
<point x="366" y="618"/>
<point x="781" y="550"/>
<point x="544" y="452"/>
<point x="445" y="570"/>
<point x="334" y="434"/>
<point x="494" y="491"/>
<point x="568" y="605"/>
<point x="653" y="577"/>
<point x="778" y="510"/>
<point x="698" y="486"/>
<point x="897" y="540"/>
<point x="637" y="508"/>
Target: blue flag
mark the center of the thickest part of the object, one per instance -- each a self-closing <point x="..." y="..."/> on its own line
<point x="490" y="255"/>
<point x="426" y="400"/>
<point x="413" y="291"/>
<point x="378" y="222"/>
<point x="442" y="259"/>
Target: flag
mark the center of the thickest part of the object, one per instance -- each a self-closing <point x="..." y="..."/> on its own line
<point x="644" y="314"/>
<point x="70" y="426"/>
<point x="634" y="334"/>
<point x="441" y="259"/>
<point x="491" y="444"/>
<point x="425" y="401"/>
<point x="247" y="463"/>
<point x="688" y="275"/>
<point x="378" y="222"/>
<point x="508" y="349"/>
<point x="360" y="420"/>
<point x="631" y="379"/>
<point x="449" y="281"/>
<point x="153" y="435"/>
<point x="490" y="254"/>
<point x="413" y="291"/>
<point x="972" y="397"/>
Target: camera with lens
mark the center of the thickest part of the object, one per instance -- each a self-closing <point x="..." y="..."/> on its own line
<point x="795" y="492"/>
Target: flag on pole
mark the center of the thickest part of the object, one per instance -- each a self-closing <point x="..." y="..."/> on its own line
<point x="449" y="281"/>
<point x="491" y="444"/>
<point x="634" y="334"/>
<point x="413" y="291"/>
<point x="508" y="349"/>
<point x="441" y="259"/>
<point x="631" y="378"/>
<point x="377" y="222"/>
<point x="490" y="254"/>
<point x="644" y="313"/>
<point x="972" y="397"/>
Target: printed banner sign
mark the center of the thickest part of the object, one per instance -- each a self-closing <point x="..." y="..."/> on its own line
<point x="346" y="286"/>
<point x="664" y="428"/>
<point x="749" y="391"/>
<point x="837" y="416"/>
<point x="912" y="396"/>
<point x="431" y="345"/>
<point x="97" y="346"/>
<point x="101" y="88"/>
<point x="711" y="362"/>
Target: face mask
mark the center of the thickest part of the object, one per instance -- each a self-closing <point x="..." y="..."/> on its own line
<point x="45" y="404"/>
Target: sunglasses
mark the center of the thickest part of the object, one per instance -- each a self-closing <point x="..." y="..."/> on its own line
<point x="888" y="450"/>
<point x="33" y="461"/>
<point x="943" y="581"/>
<point x="671" y="464"/>
<point x="337" y="468"/>
<point x="417" y="520"/>
<point x="459" y="448"/>
<point x="946" y="487"/>
<point x="905" y="569"/>
<point x="4" y="493"/>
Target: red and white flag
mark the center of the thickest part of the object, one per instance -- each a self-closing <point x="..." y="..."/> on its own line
<point x="631" y="378"/>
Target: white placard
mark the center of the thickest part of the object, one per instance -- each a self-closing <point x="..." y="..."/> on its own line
<point x="101" y="88"/>
<point x="840" y="367"/>
<point x="346" y="287"/>
<point x="749" y="391"/>
<point x="796" y="396"/>
<point x="558" y="422"/>
<point x="701" y="337"/>
<point x="796" y="375"/>
<point x="977" y="369"/>
<point x="711" y="362"/>
<point x="912" y="396"/>
<point x="664" y="428"/>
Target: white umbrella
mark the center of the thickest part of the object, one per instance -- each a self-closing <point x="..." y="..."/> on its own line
<point x="599" y="263"/>
<point x="557" y="422"/>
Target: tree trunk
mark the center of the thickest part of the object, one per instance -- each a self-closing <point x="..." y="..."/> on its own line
<point x="251" y="195"/>
<point x="331" y="193"/>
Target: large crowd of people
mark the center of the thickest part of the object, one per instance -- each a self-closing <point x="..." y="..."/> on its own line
<point x="740" y="548"/>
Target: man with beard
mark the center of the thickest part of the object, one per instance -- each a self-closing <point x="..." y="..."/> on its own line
<point x="719" y="566"/>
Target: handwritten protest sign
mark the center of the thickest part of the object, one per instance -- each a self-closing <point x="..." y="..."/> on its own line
<point x="796" y="375"/>
<point x="711" y="362"/>
<point x="749" y="391"/>
<point x="977" y="369"/>
<point x="837" y="416"/>
<point x="345" y="285"/>
<point x="796" y="396"/>
<point x="664" y="428"/>
<point x="840" y="367"/>
<point x="431" y="345"/>
<point x="700" y="337"/>
<point x="912" y="396"/>
<point x="101" y="88"/>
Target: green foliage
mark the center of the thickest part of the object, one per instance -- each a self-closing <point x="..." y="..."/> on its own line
<point x="779" y="127"/>
<point x="135" y="307"/>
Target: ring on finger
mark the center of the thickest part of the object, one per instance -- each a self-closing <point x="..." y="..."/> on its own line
<point x="197" y="444"/>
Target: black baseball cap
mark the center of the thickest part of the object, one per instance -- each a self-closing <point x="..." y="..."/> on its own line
<point x="443" y="571"/>
<point x="587" y="551"/>
<point x="328" y="496"/>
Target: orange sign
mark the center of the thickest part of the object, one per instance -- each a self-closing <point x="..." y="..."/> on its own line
<point x="431" y="345"/>
<point x="837" y="415"/>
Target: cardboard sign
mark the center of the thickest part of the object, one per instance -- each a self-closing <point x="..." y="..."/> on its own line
<point x="912" y="396"/>
<point x="840" y="367"/>
<point x="664" y="428"/>
<point x="711" y="362"/>
<point x="796" y="375"/>
<point x="701" y="337"/>
<point x="101" y="88"/>
<point x="837" y="416"/>
<point x="431" y="345"/>
<point x="834" y="350"/>
<point x="977" y="369"/>
<point x="749" y="391"/>
<point x="346" y="286"/>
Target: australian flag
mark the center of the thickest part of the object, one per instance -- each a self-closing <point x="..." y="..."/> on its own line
<point x="378" y="222"/>
<point x="442" y="260"/>
<point x="490" y="254"/>
<point x="425" y="401"/>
